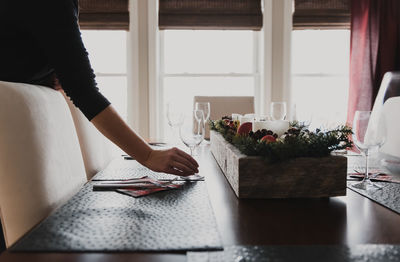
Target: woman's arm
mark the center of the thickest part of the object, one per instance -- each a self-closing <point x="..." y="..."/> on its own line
<point x="173" y="161"/>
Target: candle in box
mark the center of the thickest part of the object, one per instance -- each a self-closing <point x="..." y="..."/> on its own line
<point x="277" y="126"/>
<point x="244" y="119"/>
<point x="236" y="117"/>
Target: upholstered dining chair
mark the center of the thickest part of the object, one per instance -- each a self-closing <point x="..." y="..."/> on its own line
<point x="226" y="105"/>
<point x="41" y="163"/>
<point x="387" y="108"/>
<point x="97" y="151"/>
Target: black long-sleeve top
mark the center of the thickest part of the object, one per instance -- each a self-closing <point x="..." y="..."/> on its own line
<point x="40" y="40"/>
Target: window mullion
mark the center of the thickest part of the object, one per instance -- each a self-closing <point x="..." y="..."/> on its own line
<point x="161" y="82"/>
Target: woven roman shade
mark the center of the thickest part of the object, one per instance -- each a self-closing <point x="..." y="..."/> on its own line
<point x="104" y="14"/>
<point x="210" y="14"/>
<point x="321" y="14"/>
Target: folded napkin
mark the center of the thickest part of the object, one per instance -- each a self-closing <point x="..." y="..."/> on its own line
<point x="137" y="187"/>
<point x="380" y="177"/>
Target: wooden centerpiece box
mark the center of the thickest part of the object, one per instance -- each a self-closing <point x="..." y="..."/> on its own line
<point x="304" y="177"/>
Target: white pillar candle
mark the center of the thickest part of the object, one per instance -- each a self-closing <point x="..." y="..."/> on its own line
<point x="250" y="115"/>
<point x="236" y="117"/>
<point x="258" y="125"/>
<point x="277" y="126"/>
<point x="244" y="119"/>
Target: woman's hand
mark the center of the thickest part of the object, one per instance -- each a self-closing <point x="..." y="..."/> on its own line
<point x="172" y="161"/>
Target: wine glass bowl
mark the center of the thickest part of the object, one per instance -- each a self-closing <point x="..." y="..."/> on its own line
<point x="199" y="116"/>
<point x="190" y="134"/>
<point x="278" y="110"/>
<point x="205" y="107"/>
<point x="174" y="115"/>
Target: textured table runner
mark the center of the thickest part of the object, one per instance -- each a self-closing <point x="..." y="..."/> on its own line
<point x="388" y="196"/>
<point x="357" y="253"/>
<point x="176" y="220"/>
<point x="127" y="169"/>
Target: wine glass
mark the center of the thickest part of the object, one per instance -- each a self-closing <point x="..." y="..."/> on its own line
<point x="174" y="115"/>
<point x="175" y="118"/>
<point x="205" y="106"/>
<point x="278" y="110"/>
<point x="199" y="116"/>
<point x="190" y="134"/>
<point x="368" y="137"/>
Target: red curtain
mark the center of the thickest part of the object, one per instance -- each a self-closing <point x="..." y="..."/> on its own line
<point x="374" y="50"/>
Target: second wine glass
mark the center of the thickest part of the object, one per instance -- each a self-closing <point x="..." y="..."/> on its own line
<point x="367" y="137"/>
<point x="175" y="120"/>
<point x="205" y="106"/>
<point x="192" y="135"/>
<point x="278" y="110"/>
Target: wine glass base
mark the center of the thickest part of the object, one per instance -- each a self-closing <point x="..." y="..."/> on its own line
<point x="205" y="142"/>
<point x="367" y="184"/>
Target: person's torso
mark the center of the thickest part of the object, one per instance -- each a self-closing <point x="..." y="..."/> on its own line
<point x="21" y="58"/>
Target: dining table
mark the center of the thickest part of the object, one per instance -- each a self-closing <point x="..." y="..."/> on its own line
<point x="345" y="220"/>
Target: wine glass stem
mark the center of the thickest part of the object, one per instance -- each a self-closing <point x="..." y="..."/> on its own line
<point x="366" y="178"/>
<point x="198" y="127"/>
<point x="191" y="150"/>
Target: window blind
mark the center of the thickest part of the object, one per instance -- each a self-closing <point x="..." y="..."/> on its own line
<point x="210" y="14"/>
<point x="104" y="14"/>
<point x="321" y="14"/>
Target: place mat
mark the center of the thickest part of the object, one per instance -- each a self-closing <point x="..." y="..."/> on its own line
<point x="120" y="169"/>
<point x="357" y="253"/>
<point x="103" y="221"/>
<point x="388" y="196"/>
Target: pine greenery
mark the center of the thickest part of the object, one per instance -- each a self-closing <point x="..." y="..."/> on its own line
<point x="298" y="141"/>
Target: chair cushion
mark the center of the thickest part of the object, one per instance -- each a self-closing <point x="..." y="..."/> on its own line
<point x="41" y="163"/>
<point x="97" y="150"/>
<point x="391" y="113"/>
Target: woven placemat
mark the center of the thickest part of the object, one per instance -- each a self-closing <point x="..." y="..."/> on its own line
<point x="120" y="169"/>
<point x="388" y="195"/>
<point x="357" y="253"/>
<point x="176" y="220"/>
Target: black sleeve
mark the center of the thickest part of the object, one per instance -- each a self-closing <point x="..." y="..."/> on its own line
<point x="54" y="24"/>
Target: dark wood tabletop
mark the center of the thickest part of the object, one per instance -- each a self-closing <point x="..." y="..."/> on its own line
<point x="352" y="219"/>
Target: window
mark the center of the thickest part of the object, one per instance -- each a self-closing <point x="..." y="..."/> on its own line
<point x="206" y="63"/>
<point x="107" y="54"/>
<point x="320" y="75"/>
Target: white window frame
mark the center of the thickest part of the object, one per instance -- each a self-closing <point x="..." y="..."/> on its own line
<point x="145" y="85"/>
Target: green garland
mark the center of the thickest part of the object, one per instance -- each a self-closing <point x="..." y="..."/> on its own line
<point x="298" y="141"/>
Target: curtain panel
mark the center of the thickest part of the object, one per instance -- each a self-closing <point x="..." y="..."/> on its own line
<point x="104" y="14"/>
<point x="374" y="50"/>
<point x="210" y="14"/>
<point x="321" y="14"/>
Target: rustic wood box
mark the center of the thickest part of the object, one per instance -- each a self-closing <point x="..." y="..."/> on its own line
<point x="252" y="177"/>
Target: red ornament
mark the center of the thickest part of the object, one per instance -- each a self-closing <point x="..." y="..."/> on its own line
<point x="268" y="139"/>
<point x="245" y="128"/>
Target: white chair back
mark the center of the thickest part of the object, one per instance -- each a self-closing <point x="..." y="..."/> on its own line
<point x="97" y="151"/>
<point x="41" y="163"/>
<point x="387" y="108"/>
